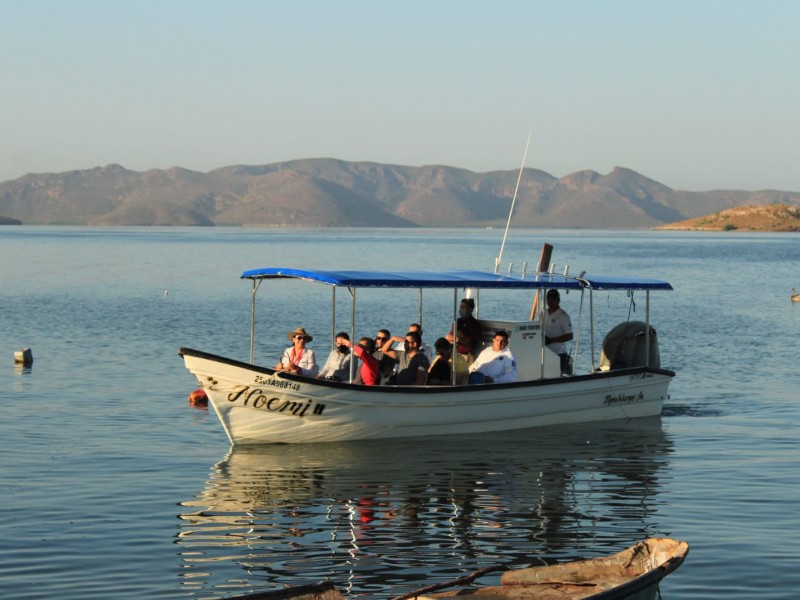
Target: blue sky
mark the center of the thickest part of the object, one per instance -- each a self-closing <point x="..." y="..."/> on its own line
<point x="697" y="95"/>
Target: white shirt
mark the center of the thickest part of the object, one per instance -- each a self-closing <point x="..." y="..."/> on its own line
<point x="427" y="351"/>
<point x="338" y="365"/>
<point x="499" y="365"/>
<point x="556" y="324"/>
<point x="308" y="361"/>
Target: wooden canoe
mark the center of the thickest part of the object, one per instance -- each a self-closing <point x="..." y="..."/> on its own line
<point x="632" y="571"/>
<point x="635" y="571"/>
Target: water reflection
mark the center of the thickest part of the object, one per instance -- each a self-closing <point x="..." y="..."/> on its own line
<point x="378" y="518"/>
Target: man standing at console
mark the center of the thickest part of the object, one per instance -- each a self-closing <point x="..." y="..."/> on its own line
<point x="558" y="330"/>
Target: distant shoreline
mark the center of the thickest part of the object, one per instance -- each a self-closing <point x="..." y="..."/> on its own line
<point x="783" y="218"/>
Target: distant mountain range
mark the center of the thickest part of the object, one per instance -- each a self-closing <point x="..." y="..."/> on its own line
<point x="335" y="193"/>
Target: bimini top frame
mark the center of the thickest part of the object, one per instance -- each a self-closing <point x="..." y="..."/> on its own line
<point x="457" y="279"/>
<point x="446" y="279"/>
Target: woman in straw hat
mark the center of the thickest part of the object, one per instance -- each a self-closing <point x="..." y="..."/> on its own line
<point x="298" y="359"/>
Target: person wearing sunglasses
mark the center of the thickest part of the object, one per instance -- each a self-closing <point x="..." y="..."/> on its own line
<point x="385" y="363"/>
<point x="298" y="359"/>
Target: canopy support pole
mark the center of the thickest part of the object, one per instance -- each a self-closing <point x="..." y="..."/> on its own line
<point x="591" y="325"/>
<point x="256" y="284"/>
<point x="333" y="317"/>
<point x="578" y="328"/>
<point x="647" y="328"/>
<point x="353" y="359"/>
<point x="539" y="307"/>
<point x="454" y="350"/>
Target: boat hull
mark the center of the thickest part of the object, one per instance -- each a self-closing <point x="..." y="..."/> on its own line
<point x="257" y="405"/>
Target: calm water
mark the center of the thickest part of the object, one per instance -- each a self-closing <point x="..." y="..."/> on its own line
<point x="112" y="486"/>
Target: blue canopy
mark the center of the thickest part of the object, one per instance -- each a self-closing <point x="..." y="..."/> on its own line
<point x="457" y="279"/>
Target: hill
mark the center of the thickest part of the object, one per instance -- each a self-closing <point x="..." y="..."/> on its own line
<point x="772" y="217"/>
<point x="335" y="193"/>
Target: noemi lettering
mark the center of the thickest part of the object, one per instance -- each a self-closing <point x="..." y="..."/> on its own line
<point x="257" y="398"/>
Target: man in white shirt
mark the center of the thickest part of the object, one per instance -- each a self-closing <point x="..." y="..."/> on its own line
<point x="495" y="364"/>
<point x="558" y="330"/>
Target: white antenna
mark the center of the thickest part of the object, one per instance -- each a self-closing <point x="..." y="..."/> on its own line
<point x="498" y="261"/>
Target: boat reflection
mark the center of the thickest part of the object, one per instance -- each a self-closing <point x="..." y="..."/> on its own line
<point x="380" y="517"/>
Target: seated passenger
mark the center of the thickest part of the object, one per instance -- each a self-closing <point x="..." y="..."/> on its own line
<point x="495" y="364"/>
<point x="412" y="365"/>
<point x="441" y="370"/>
<point x="337" y="367"/>
<point x="368" y="373"/>
<point x="423" y="347"/>
<point x="298" y="359"/>
<point x="386" y="363"/>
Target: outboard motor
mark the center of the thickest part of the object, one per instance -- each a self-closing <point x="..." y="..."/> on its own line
<point x="625" y="346"/>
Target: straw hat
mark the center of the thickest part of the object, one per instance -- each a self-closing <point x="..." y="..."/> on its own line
<point x="300" y="331"/>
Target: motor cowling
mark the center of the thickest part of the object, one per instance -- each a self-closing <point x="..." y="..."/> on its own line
<point x="625" y="346"/>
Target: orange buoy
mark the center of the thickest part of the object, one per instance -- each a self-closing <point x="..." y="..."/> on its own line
<point x="198" y="397"/>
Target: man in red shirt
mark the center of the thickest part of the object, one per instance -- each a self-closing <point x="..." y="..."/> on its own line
<point x="369" y="364"/>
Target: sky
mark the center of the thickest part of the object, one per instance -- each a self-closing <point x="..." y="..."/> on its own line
<point x="697" y="95"/>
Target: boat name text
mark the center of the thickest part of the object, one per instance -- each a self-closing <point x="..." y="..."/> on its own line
<point x="259" y="399"/>
<point x="620" y="398"/>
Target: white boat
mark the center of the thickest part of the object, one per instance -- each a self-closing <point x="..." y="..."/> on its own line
<point x="257" y="404"/>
